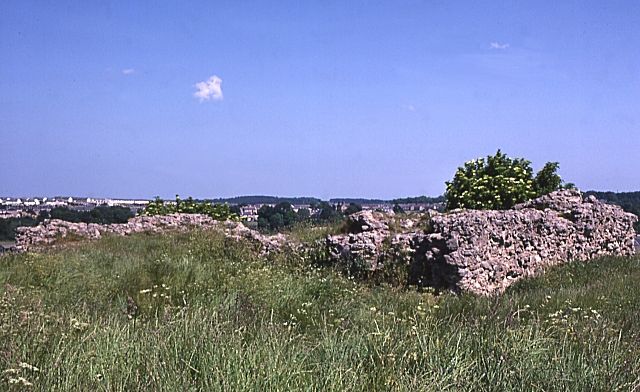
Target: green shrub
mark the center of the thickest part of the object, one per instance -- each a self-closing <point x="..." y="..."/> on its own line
<point x="499" y="182"/>
<point x="189" y="206"/>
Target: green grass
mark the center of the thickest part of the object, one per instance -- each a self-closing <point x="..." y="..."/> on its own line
<point x="193" y="312"/>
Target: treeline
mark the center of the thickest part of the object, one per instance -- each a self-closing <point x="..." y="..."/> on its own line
<point x="359" y="201"/>
<point x="8" y="226"/>
<point x="267" y="200"/>
<point x="629" y="201"/>
<point x="101" y="214"/>
<point x="404" y="200"/>
<point x="244" y="200"/>
<point x="419" y="200"/>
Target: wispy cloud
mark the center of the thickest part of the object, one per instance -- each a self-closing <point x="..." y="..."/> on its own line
<point x="128" y="71"/>
<point x="411" y="108"/>
<point x="209" y="89"/>
<point x="498" y="46"/>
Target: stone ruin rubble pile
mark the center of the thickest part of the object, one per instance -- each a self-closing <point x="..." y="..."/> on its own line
<point x="483" y="252"/>
<point x="51" y="231"/>
<point x="370" y="240"/>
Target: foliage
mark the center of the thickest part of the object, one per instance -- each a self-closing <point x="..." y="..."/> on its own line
<point x="100" y="214"/>
<point x="216" y="211"/>
<point x="360" y="201"/>
<point x="8" y="226"/>
<point x="280" y="216"/>
<point x="419" y="200"/>
<point x="196" y="311"/>
<point x="268" y="200"/>
<point x="397" y="209"/>
<point x="236" y="209"/>
<point x="352" y="208"/>
<point x="547" y="180"/>
<point x="499" y="182"/>
<point x="328" y="213"/>
<point x="405" y="200"/>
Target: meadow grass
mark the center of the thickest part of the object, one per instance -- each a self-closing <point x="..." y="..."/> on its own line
<point x="196" y="311"/>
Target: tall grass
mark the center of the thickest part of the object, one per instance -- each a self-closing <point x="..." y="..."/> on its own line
<point x="192" y="312"/>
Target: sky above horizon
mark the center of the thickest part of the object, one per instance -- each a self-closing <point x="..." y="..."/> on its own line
<point x="377" y="99"/>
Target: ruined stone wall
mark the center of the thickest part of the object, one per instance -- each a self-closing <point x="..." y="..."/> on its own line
<point x="51" y="231"/>
<point x="485" y="252"/>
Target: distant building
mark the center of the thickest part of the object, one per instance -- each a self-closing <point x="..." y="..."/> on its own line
<point x="250" y="212"/>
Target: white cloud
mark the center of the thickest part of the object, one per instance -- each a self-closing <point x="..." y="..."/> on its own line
<point x="498" y="45"/>
<point x="128" y="71"/>
<point x="209" y="89"/>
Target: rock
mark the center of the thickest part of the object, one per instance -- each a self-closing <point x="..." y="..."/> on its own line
<point x="367" y="220"/>
<point x="370" y="243"/>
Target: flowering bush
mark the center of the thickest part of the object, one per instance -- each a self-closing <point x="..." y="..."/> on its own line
<point x="189" y="206"/>
<point x="498" y="182"/>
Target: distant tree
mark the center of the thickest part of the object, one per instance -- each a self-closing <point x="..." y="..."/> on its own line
<point x="264" y="217"/>
<point x="100" y="214"/>
<point x="276" y="221"/>
<point x="267" y="200"/>
<point x="277" y="217"/>
<point x="328" y="213"/>
<point x="65" y="214"/>
<point x="8" y="226"/>
<point x="419" y="200"/>
<point x="352" y="208"/>
<point x="303" y="215"/>
<point x="236" y="209"/>
<point x="107" y="215"/>
<point x="397" y="209"/>
<point x="263" y="223"/>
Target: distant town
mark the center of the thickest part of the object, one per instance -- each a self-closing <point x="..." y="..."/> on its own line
<point x="246" y="206"/>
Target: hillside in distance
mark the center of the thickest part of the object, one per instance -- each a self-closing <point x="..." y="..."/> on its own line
<point x="263" y="199"/>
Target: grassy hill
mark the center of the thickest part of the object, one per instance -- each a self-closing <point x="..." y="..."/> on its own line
<point x="191" y="312"/>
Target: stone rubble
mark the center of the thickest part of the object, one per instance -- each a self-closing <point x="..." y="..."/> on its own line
<point x="368" y="230"/>
<point x="51" y="231"/>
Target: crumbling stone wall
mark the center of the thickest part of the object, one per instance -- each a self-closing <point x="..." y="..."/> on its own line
<point x="51" y="231"/>
<point x="485" y="252"/>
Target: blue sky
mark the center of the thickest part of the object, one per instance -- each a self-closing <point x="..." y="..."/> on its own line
<point x="319" y="98"/>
